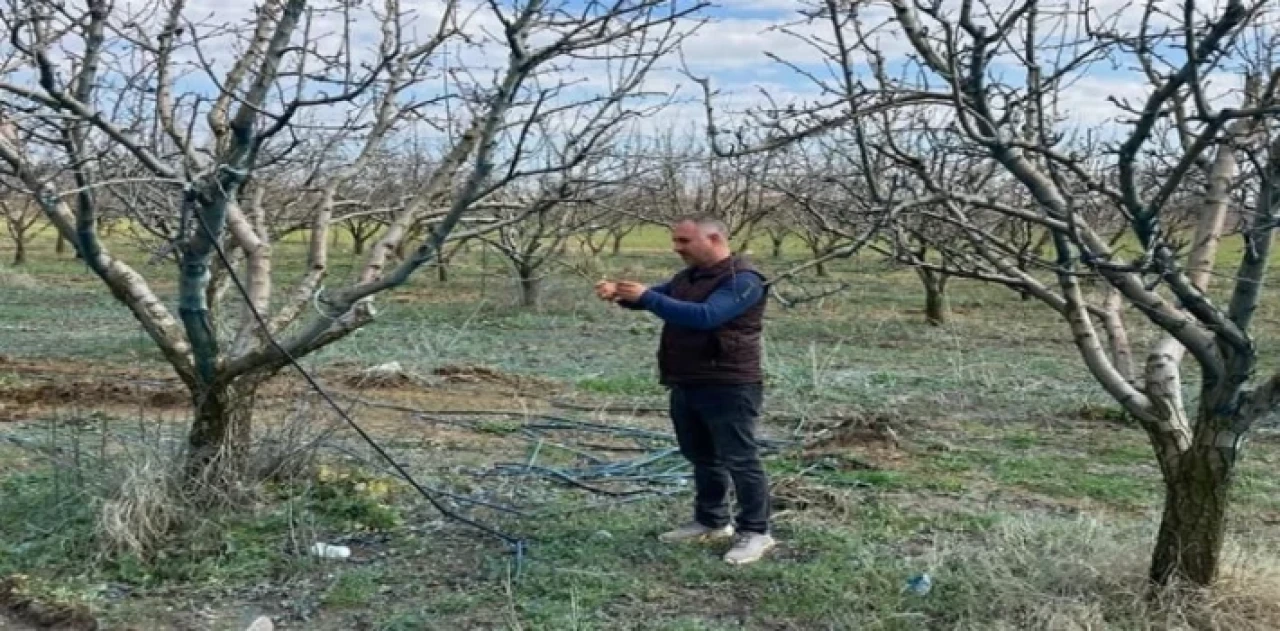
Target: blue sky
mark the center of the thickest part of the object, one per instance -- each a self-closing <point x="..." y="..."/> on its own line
<point x="729" y="49"/>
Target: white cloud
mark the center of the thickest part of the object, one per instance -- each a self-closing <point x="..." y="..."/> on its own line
<point x="730" y="49"/>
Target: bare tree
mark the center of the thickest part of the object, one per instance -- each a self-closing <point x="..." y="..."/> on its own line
<point x="197" y="108"/>
<point x="996" y="79"/>
<point x="531" y="244"/>
<point x="609" y="230"/>
<point x="777" y="229"/>
<point x="22" y="220"/>
<point x="693" y="181"/>
<point x="823" y="201"/>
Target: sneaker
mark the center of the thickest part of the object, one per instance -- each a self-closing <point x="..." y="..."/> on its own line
<point x="749" y="547"/>
<point x="696" y="533"/>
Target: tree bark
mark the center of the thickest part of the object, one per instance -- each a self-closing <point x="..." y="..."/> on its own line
<point x="220" y="435"/>
<point x="937" y="308"/>
<point x="530" y="287"/>
<point x="1189" y="543"/>
<point x="1117" y="334"/>
<point x="20" y="249"/>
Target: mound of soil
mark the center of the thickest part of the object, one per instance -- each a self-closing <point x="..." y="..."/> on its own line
<point x="60" y="382"/>
<point x="114" y="390"/>
<point x="18" y="603"/>
<point x="486" y="375"/>
<point x="858" y="443"/>
<point x="390" y="375"/>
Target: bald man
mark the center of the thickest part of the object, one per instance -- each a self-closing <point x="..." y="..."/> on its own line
<point x="709" y="359"/>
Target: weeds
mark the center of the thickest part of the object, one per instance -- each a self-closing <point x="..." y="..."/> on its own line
<point x="1005" y="436"/>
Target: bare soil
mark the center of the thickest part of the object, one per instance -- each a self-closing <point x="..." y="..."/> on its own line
<point x="19" y="610"/>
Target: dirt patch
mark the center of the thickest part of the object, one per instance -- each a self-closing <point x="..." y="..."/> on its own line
<point x="30" y="384"/>
<point x="469" y="373"/>
<point x="18" y="603"/>
<point x="385" y="376"/>
<point x="797" y="494"/>
<point x="861" y="442"/>
<point x="95" y="391"/>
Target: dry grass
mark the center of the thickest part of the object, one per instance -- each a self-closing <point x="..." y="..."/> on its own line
<point x="142" y="509"/>
<point x="1044" y="573"/>
<point x="14" y="279"/>
<point x="148" y="498"/>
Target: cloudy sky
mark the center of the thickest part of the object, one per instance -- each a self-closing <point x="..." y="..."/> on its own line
<point x="729" y="48"/>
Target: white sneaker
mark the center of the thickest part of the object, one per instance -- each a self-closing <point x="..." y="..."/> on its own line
<point x="749" y="547"/>
<point x="695" y="532"/>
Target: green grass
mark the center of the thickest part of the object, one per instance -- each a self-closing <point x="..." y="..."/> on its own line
<point x="353" y="588"/>
<point x="1005" y="434"/>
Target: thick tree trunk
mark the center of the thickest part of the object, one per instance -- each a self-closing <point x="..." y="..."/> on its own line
<point x="357" y="243"/>
<point x="61" y="246"/>
<point x="937" y="308"/>
<point x="617" y="244"/>
<point x="219" y="437"/>
<point x="530" y="287"/>
<point x="1189" y="544"/>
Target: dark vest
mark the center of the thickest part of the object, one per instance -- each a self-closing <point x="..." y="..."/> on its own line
<point x="727" y="355"/>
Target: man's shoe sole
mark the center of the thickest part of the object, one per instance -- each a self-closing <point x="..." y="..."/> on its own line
<point x="704" y="538"/>
<point x="753" y="559"/>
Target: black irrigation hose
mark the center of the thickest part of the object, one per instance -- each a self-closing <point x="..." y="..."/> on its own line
<point x="517" y="544"/>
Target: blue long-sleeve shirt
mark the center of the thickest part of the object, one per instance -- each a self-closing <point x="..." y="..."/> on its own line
<point x="729" y="300"/>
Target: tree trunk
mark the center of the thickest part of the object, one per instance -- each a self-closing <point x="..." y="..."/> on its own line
<point x="1189" y="544"/>
<point x="358" y="243"/>
<point x="219" y="437"/>
<point x="530" y="287"/>
<point x="815" y="248"/>
<point x="20" y="251"/>
<point x="442" y="271"/>
<point x="937" y="308"/>
<point x="617" y="244"/>
<point x="777" y="245"/>
<point x="61" y="246"/>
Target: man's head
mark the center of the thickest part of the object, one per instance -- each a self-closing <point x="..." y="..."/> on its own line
<point x="701" y="241"/>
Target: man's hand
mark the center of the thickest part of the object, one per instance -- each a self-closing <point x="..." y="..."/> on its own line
<point x="606" y="290"/>
<point x="629" y="291"/>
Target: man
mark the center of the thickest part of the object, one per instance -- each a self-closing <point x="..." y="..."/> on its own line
<point x="709" y="358"/>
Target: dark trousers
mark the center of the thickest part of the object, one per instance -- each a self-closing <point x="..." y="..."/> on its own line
<point x="715" y="427"/>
